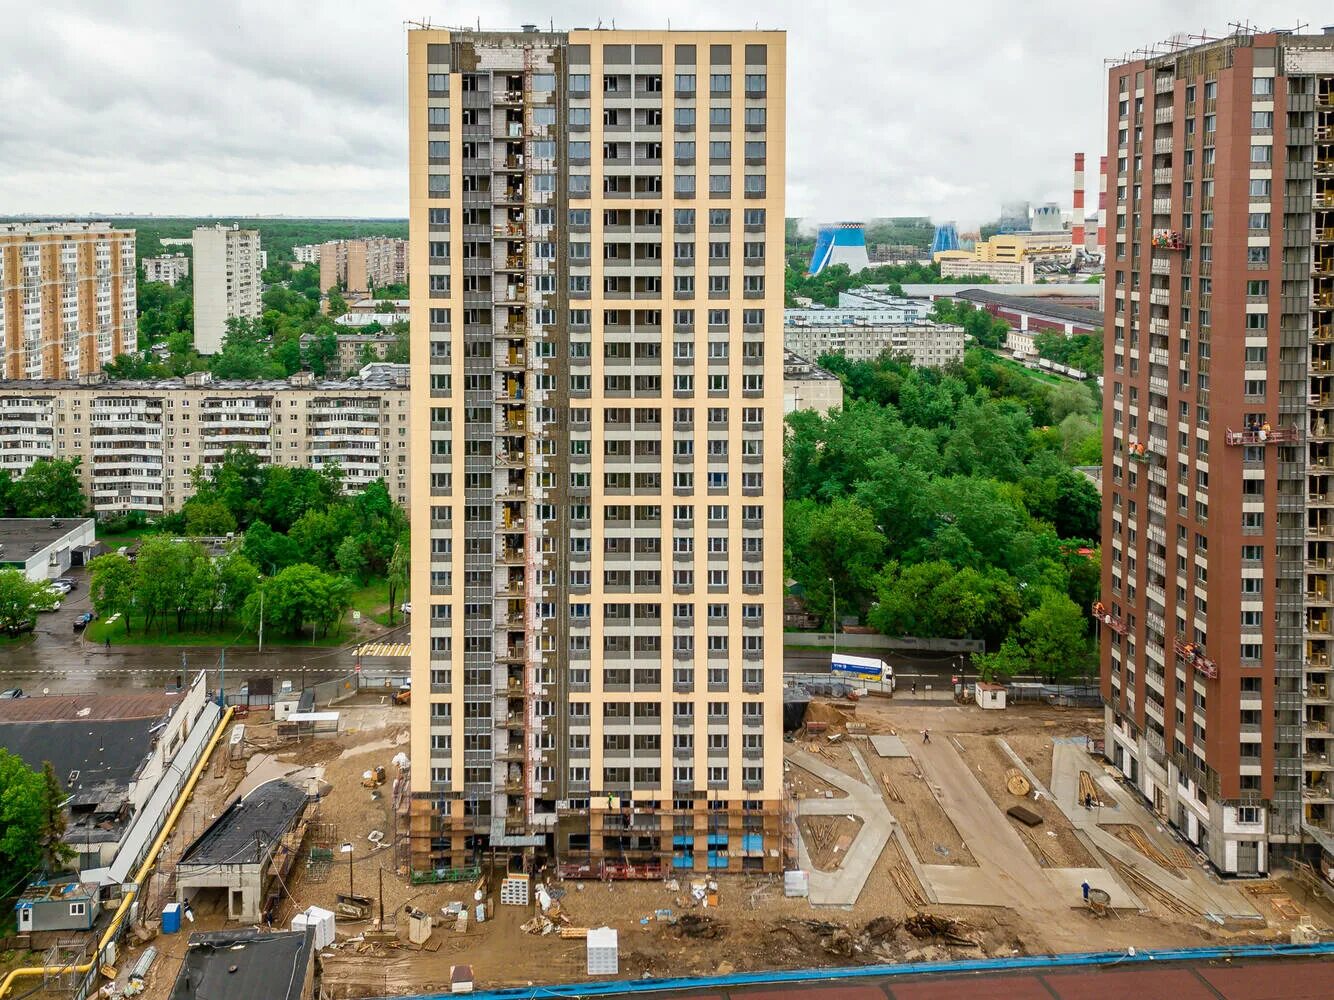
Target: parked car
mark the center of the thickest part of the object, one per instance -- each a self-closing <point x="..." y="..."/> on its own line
<point x="406" y="607"/>
<point x="60" y="586"/>
<point x="69" y="581"/>
<point x="12" y="693"/>
<point x="83" y="621"/>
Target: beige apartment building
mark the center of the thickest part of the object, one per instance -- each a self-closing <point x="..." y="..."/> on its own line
<point x="227" y="285"/>
<point x="67" y="298"/>
<point x="362" y="265"/>
<point x="169" y="268"/>
<point x="138" y="441"/>
<point x="598" y="446"/>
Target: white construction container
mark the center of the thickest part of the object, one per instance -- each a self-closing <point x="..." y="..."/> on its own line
<point x="322" y="920"/>
<point x="603" y="952"/>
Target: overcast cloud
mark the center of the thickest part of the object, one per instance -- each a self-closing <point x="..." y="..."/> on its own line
<point x="241" y="107"/>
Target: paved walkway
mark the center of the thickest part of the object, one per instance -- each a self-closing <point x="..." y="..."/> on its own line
<point x="1194" y="887"/>
<point x="842" y="886"/>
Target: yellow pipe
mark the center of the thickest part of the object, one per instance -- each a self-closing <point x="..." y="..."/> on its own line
<point x="172" y="817"/>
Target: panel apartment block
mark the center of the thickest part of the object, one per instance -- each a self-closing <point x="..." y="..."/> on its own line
<point x="1218" y="523"/>
<point x="139" y="441"/>
<point x="227" y="285"/>
<point x="597" y="220"/>
<point x="67" y="298"/>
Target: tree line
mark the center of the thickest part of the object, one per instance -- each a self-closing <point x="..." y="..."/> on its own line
<point x="299" y="542"/>
<point x="50" y="487"/>
<point x="942" y="503"/>
<point x="825" y="286"/>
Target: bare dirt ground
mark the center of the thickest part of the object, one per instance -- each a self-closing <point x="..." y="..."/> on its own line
<point x="1053" y="844"/>
<point x="754" y="927"/>
<point x="932" y="833"/>
<point x="828" y="838"/>
<point x="805" y="785"/>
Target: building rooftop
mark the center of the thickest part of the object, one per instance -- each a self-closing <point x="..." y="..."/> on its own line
<point x="88" y="707"/>
<point x="797" y="367"/>
<point x="95" y="759"/>
<point x="1039" y="307"/>
<point x="58" y="228"/>
<point x="39" y="892"/>
<point x="245" y="964"/>
<point x="235" y="837"/>
<point x="952" y="289"/>
<point x="20" y="537"/>
<point x="377" y="381"/>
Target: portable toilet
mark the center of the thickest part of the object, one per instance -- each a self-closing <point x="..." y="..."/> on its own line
<point x="171" y="918"/>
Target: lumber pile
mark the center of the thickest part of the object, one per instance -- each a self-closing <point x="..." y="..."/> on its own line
<point x="891" y="792"/>
<point x="1145" y="846"/>
<point x="1088" y="790"/>
<point x="1146" y="887"/>
<point x="906" y="882"/>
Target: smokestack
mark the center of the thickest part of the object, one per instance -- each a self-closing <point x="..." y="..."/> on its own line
<point x="1102" y="207"/>
<point x="1077" y="221"/>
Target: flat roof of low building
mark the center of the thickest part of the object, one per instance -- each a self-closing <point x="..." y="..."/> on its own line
<point x="952" y="289"/>
<point x="245" y="964"/>
<point x="1038" y="307"/>
<point x="376" y="382"/>
<point x="796" y="367"/>
<point x="19" y="535"/>
<point x="95" y="760"/>
<point x="235" y="837"/>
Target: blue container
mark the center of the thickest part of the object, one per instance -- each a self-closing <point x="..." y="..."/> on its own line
<point x="171" y="918"/>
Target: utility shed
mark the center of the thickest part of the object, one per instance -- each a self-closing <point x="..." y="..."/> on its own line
<point x="60" y="906"/>
<point x="241" y="849"/>
<point x="277" y="965"/>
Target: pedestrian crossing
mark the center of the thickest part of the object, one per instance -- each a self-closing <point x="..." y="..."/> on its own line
<point x="384" y="649"/>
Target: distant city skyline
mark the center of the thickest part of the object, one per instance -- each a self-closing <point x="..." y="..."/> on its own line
<point x="137" y="107"/>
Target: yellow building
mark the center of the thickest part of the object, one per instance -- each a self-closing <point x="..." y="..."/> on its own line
<point x="67" y="298"/>
<point x="1008" y="248"/>
<point x="597" y="669"/>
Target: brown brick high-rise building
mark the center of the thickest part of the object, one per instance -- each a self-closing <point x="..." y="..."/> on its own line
<point x="67" y="298"/>
<point x="1218" y="522"/>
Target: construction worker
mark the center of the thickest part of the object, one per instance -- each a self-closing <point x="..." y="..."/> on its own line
<point x="926" y="736"/>
<point x="1085" y="886"/>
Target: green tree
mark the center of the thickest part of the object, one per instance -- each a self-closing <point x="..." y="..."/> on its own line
<point x="56" y="854"/>
<point x="23" y="812"/>
<point x="207" y="518"/>
<point x="337" y="304"/>
<point x="839" y="544"/>
<point x="21" y="598"/>
<point x="50" y="488"/>
<point x="1053" y="639"/>
<point x="298" y="595"/>
<point x="168" y="586"/>
<point x="934" y="599"/>
<point x="269" y="550"/>
<point x="113" y="583"/>
<point x="400" y="565"/>
<point x="321" y="351"/>
<point x="6" y="493"/>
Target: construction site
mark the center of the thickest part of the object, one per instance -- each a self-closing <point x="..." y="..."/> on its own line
<point x="914" y="831"/>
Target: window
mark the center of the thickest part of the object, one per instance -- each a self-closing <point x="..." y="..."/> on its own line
<point x="1262" y="154"/>
<point x="756" y="84"/>
<point x="720" y="117"/>
<point x="755" y="118"/>
<point x="1260" y="187"/>
<point x="754" y="183"/>
<point x="684" y="119"/>
<point x="579" y="83"/>
<point x="1262" y="120"/>
<point x="720" y="83"/>
<point x="581" y="117"/>
<point x="78" y="909"/>
<point x="1249" y="814"/>
<point x="684" y="184"/>
<point x="685" y="83"/>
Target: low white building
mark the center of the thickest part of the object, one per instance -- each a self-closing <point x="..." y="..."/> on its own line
<point x="929" y="345"/>
<point x="43" y="547"/>
<point x="807" y="386"/>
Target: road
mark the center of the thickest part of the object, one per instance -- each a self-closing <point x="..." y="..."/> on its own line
<point x="57" y="660"/>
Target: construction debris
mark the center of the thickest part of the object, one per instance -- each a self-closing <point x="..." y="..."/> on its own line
<point x="1026" y="816"/>
<point x="699" y="926"/>
<point x="946" y="929"/>
<point x="1089" y="794"/>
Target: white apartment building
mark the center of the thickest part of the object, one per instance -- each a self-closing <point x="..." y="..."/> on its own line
<point x="930" y="345"/>
<point x="227" y="283"/>
<point x="138" y="441"/>
<point x="597" y="260"/>
<point x="308" y="253"/>
<point x="169" y="268"/>
<point x="67" y="298"/>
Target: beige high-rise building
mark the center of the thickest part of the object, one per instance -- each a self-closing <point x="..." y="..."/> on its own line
<point x="597" y="446"/>
<point x="226" y="284"/>
<point x="362" y="265"/>
<point x="67" y="298"/>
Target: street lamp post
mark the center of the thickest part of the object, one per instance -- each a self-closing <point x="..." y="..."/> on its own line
<point x="347" y="849"/>
<point x="833" y="628"/>
<point x="261" y="616"/>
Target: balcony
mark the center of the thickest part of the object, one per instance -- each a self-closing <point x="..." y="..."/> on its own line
<point x="1167" y="239"/>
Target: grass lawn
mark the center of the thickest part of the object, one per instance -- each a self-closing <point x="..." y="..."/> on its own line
<point x="1033" y="373"/>
<point x="113" y="542"/>
<point x="372" y="601"/>
<point x="235" y="635"/>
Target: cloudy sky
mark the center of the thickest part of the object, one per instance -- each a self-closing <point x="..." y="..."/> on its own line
<point x="294" y="107"/>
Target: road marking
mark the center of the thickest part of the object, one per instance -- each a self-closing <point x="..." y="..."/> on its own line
<point x="384" y="649"/>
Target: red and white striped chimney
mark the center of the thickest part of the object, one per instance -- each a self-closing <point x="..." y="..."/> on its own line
<point x="1102" y="207"/>
<point x="1077" y="222"/>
